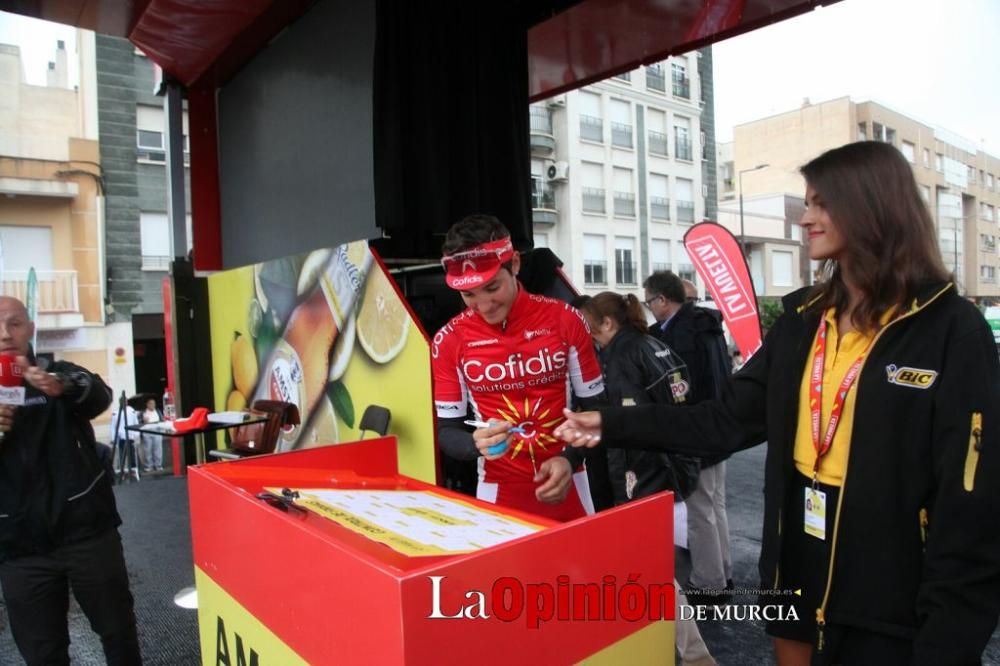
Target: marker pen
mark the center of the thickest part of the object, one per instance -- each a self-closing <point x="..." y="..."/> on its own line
<point x="496" y="448"/>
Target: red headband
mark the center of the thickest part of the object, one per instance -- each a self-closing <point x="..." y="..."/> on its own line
<point x="477" y="265"/>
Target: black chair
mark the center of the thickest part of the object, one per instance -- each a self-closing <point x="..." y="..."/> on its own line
<point x="375" y="419"/>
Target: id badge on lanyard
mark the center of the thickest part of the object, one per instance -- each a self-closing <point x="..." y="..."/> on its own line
<point x="815" y="499"/>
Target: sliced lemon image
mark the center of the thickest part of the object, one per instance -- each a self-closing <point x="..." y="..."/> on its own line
<point x="383" y="322"/>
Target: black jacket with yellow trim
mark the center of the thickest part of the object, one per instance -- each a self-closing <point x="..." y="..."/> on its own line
<point x="917" y="549"/>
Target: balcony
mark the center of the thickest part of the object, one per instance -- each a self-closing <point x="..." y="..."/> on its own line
<point x="686" y="272"/>
<point x="621" y="135"/>
<point x="657" y="143"/>
<point x="593" y="200"/>
<point x="57" y="290"/>
<point x="655" y="80"/>
<point x="659" y="267"/>
<point x="682" y="148"/>
<point x="592" y="129"/>
<point x="624" y="204"/>
<point x="543" y="206"/>
<point x="685" y="212"/>
<point x="624" y="76"/>
<point x="540" y="123"/>
<point x="625" y="273"/>
<point x="595" y="272"/>
<point x="659" y="208"/>
<point x="681" y="87"/>
<point x="155" y="262"/>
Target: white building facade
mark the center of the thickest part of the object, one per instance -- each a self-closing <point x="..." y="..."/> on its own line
<point x="617" y="175"/>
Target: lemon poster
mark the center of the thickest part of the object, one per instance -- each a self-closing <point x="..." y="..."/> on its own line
<point x="329" y="332"/>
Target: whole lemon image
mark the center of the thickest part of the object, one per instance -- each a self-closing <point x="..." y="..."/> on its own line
<point x="382" y="321"/>
<point x="236" y="402"/>
<point x="244" y="362"/>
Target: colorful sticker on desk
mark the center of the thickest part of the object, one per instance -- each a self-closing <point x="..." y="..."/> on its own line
<point x="414" y="522"/>
<point x="815" y="513"/>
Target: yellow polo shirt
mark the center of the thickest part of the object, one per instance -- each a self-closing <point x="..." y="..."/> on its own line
<point x="839" y="359"/>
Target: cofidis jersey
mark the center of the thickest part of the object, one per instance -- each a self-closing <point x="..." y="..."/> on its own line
<point x="522" y="371"/>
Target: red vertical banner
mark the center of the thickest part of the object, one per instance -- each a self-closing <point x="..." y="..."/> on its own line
<point x="177" y="450"/>
<point x="720" y="263"/>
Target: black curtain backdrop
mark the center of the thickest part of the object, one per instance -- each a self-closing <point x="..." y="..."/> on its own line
<point x="450" y="121"/>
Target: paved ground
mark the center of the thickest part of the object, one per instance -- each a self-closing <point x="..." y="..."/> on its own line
<point x="158" y="549"/>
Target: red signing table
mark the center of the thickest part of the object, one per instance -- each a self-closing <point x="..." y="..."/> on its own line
<point x="295" y="587"/>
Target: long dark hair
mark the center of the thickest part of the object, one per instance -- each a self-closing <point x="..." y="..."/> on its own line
<point x="871" y="196"/>
<point x="624" y="310"/>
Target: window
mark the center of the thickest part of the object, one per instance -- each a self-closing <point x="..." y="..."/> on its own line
<point x="927" y="158"/>
<point x="26" y="247"/>
<point x="680" y="84"/>
<point x="621" y="124"/>
<point x="540" y="119"/>
<point x="150" y="137"/>
<point x="682" y="138"/>
<point x="908" y="150"/>
<point x="989" y="179"/>
<point x="882" y="133"/>
<point x="592" y="187"/>
<point x="591" y="121"/>
<point x="595" y="265"/>
<point x="939" y="162"/>
<point x="685" y="200"/>
<point x="685" y="269"/>
<point x="655" y="79"/>
<point x="656" y="121"/>
<point x="862" y="131"/>
<point x="988" y="274"/>
<point x="155" y="240"/>
<point x="659" y="255"/>
<point x="659" y="197"/>
<point x="623" y="194"/>
<point x="625" y="77"/>
<point x="625" y="271"/>
<point x="781" y="268"/>
<point x="925" y="192"/>
<point x="541" y="240"/>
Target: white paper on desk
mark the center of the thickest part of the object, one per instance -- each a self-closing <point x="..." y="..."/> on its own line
<point x="166" y="427"/>
<point x="228" y="417"/>
<point x="415" y="522"/>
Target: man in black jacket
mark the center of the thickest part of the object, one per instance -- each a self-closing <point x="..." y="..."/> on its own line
<point x="695" y="334"/>
<point x="58" y="519"/>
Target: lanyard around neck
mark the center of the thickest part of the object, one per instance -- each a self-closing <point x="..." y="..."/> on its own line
<point x="816" y="395"/>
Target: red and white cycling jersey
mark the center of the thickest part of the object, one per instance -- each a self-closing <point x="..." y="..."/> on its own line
<point x="522" y="371"/>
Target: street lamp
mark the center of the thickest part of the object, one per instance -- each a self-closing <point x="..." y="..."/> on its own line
<point x="739" y="178"/>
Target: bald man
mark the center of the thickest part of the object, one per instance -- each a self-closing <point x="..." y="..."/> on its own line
<point x="58" y="519"/>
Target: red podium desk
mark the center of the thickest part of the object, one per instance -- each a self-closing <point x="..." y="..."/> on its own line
<point x="278" y="587"/>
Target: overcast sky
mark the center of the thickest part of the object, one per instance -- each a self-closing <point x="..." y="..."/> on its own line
<point x="37" y="40"/>
<point x="933" y="60"/>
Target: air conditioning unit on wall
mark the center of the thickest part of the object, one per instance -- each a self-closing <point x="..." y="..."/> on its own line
<point x="557" y="171"/>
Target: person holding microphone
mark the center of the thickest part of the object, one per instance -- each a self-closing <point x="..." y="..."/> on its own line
<point x="58" y="520"/>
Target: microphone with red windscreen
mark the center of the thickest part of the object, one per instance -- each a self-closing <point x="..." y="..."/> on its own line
<point x="11" y="382"/>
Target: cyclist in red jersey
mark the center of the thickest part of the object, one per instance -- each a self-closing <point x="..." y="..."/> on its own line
<point x="512" y="359"/>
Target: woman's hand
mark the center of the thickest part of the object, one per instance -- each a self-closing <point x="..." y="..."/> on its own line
<point x="484" y="438"/>
<point x="580" y="429"/>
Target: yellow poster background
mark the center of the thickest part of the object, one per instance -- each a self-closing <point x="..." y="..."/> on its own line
<point x="249" y="307"/>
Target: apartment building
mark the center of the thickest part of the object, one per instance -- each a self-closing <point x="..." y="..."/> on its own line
<point x="139" y="238"/>
<point x="52" y="211"/>
<point x="618" y="173"/>
<point x="959" y="182"/>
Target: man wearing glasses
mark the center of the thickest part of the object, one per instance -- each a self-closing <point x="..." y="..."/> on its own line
<point x="507" y="363"/>
<point x="695" y="334"/>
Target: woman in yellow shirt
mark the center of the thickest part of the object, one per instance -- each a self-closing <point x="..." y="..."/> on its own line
<point x="877" y="392"/>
